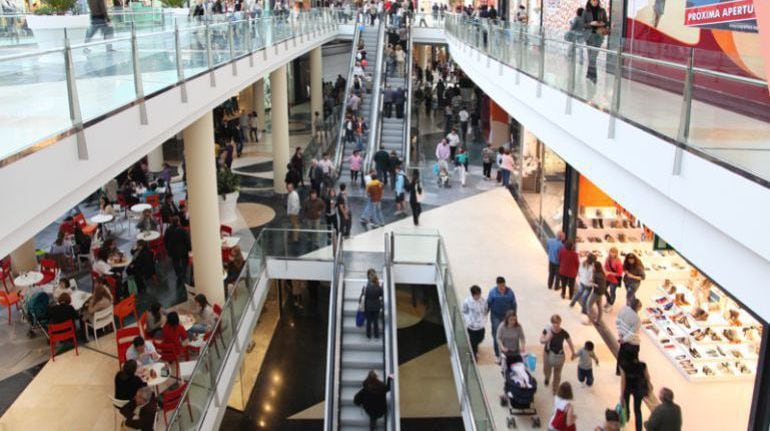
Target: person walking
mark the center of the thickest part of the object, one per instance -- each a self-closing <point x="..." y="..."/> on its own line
<point x="487" y="156"/>
<point x="372" y="299"/>
<point x="554" y="357"/>
<point x="613" y="270"/>
<point x="313" y="208"/>
<point x="506" y="164"/>
<point x="463" y="115"/>
<point x="414" y="187"/>
<point x="510" y="337"/>
<point x="372" y="397"/>
<point x="461" y="164"/>
<point x="553" y="246"/>
<point x="585" y="369"/>
<point x="586" y="282"/>
<point x="667" y="416"/>
<point x="100" y="22"/>
<point x="596" y="21"/>
<point x="454" y="142"/>
<point x="344" y="215"/>
<point x="628" y="324"/>
<point x="634" y="380"/>
<point x="564" y="417"/>
<point x="599" y="291"/>
<point x="500" y="300"/>
<point x="400" y="183"/>
<point x="178" y="247"/>
<point x="374" y="190"/>
<point x="355" y="160"/>
<point x="633" y="269"/>
<point x="474" y="312"/>
<point x="569" y="261"/>
<point x="381" y="164"/>
<point x="292" y="210"/>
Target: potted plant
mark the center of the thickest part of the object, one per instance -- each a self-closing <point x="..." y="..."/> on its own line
<point x="228" y="184"/>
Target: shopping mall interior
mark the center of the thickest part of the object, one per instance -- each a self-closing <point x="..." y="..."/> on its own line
<point x="277" y="215"/>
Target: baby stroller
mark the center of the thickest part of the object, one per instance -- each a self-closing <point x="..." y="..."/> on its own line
<point x="35" y="311"/>
<point x="520" y="388"/>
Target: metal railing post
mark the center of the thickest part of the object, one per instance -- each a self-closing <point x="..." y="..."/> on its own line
<point x="138" y="87"/>
<point x="233" y="322"/>
<point x="212" y="377"/>
<point x="209" y="57"/>
<point x="73" y="100"/>
<point x="249" y="43"/>
<point x="231" y="46"/>
<point x="615" y="108"/>
<point x="541" y="66"/>
<point x="686" y="113"/>
<point x="520" y="54"/>
<point x="179" y="67"/>
<point x="571" y="76"/>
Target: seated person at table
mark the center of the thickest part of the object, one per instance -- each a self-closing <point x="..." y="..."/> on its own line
<point x="150" y="191"/>
<point x="65" y="285"/>
<point x="173" y="332"/>
<point x="127" y="382"/>
<point x="205" y="318"/>
<point x="101" y="266"/>
<point x="82" y="241"/>
<point x="142" y="264"/>
<point x="155" y="320"/>
<point x="140" y="411"/>
<point x="110" y="246"/>
<point x="169" y="208"/>
<point x="127" y="191"/>
<point x="105" y="207"/>
<point x="99" y="300"/>
<point x="147" y="222"/>
<point x="61" y="246"/>
<point x="143" y="352"/>
<point x="62" y="310"/>
<point x="234" y="265"/>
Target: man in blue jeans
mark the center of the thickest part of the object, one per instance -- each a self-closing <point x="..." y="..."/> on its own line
<point x="100" y="21"/>
<point x="500" y="300"/>
<point x="553" y="246"/>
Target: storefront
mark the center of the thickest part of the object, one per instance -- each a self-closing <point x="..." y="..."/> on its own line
<point x="697" y="339"/>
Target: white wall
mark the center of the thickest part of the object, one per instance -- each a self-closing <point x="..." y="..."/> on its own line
<point x="44" y="185"/>
<point x="715" y="218"/>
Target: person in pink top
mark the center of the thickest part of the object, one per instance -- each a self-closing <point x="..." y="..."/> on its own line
<point x="443" y="153"/>
<point x="507" y="166"/>
<point x="355" y="160"/>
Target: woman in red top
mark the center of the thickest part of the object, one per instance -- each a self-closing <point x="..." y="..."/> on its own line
<point x="174" y="333"/>
<point x="613" y="269"/>
<point x="569" y="262"/>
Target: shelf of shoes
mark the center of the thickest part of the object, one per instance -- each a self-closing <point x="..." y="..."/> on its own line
<point x="707" y="348"/>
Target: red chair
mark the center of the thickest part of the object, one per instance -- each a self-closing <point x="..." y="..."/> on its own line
<point x="49" y="268"/>
<point x="68" y="227"/>
<point x="88" y="229"/>
<point x="172" y="398"/>
<point x="8" y="300"/>
<point x="153" y="200"/>
<point x="5" y="273"/>
<point x="124" y="338"/>
<point x="62" y="332"/>
<point x="225" y="255"/>
<point x="124" y="309"/>
<point x="225" y="230"/>
<point x="143" y="323"/>
<point x="157" y="248"/>
<point x="182" y="202"/>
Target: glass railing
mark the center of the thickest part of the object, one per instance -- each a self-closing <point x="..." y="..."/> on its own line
<point x="340" y="149"/>
<point x="202" y="383"/>
<point x="410" y="247"/>
<point x="54" y="92"/>
<point x="697" y="98"/>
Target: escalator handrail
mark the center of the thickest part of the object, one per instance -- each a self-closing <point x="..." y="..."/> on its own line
<point x="374" y="113"/>
<point x="407" y="151"/>
<point x="339" y="152"/>
<point x="391" y="341"/>
<point x="331" y="416"/>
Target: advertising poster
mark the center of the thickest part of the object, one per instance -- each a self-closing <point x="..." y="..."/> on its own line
<point x="737" y="15"/>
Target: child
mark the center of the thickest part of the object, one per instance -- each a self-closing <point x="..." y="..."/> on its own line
<point x="585" y="369"/>
<point x="443" y="177"/>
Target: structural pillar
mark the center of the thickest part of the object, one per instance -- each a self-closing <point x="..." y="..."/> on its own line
<point x="203" y="207"/>
<point x="279" y="116"/>
<point x="24" y="258"/>
<point x="258" y="95"/>
<point x="246" y="99"/>
<point x="422" y="56"/>
<point x="316" y="86"/>
<point x="155" y="159"/>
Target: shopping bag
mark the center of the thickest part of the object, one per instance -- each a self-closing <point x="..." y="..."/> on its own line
<point x="360" y="318"/>
<point x="530" y="360"/>
<point x="623" y="413"/>
<point x="131" y="283"/>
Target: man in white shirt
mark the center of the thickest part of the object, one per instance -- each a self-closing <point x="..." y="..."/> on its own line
<point x="292" y="210"/>
<point x="454" y="141"/>
<point x="143" y="352"/>
<point x="464" y="116"/>
<point x="628" y="325"/>
<point x="474" y="311"/>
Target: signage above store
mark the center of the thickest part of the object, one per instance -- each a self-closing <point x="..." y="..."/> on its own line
<point x="737" y="15"/>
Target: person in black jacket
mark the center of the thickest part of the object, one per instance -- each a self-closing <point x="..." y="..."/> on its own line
<point x="127" y="383"/>
<point x="372" y="295"/>
<point x="62" y="311"/>
<point x="372" y="397"/>
<point x="177" y="242"/>
<point x="292" y="176"/>
<point x="169" y="208"/>
<point x="142" y="265"/>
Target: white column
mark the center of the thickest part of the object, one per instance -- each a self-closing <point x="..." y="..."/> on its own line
<point x="246" y="99"/>
<point x="258" y="93"/>
<point x="24" y="258"/>
<point x="155" y="159"/>
<point x="279" y="116"/>
<point x="316" y="86"/>
<point x="203" y="207"/>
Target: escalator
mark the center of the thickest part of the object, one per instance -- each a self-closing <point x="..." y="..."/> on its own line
<point x="372" y="38"/>
<point x="353" y="354"/>
<point x="394" y="131"/>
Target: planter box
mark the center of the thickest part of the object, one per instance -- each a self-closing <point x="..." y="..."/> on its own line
<point x="228" y="211"/>
<point x="49" y="29"/>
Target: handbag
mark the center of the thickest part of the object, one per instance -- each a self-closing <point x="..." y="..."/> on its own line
<point x="622" y="413"/>
<point x="419" y="196"/>
<point x="559" y="421"/>
<point x="360" y="316"/>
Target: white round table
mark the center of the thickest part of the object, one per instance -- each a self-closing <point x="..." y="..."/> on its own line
<point x="29" y="278"/>
<point x="102" y="218"/>
<point x="139" y="208"/>
<point x="153" y="382"/>
<point x="150" y="235"/>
